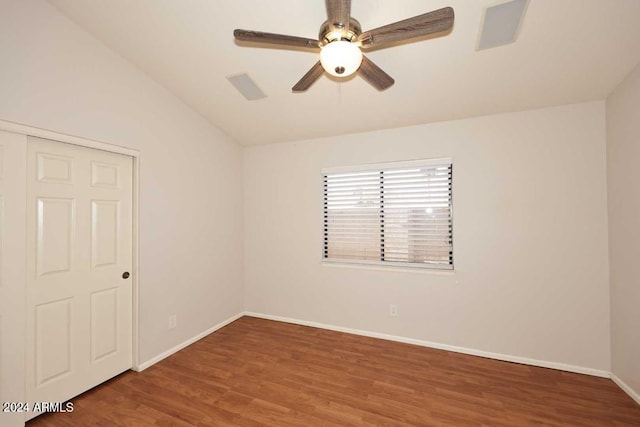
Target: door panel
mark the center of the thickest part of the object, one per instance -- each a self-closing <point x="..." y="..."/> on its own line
<point x="79" y="319"/>
<point x="53" y="340"/>
<point x="104" y="323"/>
<point x="104" y="233"/>
<point x="55" y="169"/>
<point x="55" y="235"/>
<point x="104" y="175"/>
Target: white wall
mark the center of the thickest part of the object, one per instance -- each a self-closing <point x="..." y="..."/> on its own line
<point x="530" y="237"/>
<point x="623" y="172"/>
<point x="55" y="76"/>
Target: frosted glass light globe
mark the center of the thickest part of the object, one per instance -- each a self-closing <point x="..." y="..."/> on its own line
<point x="341" y="58"/>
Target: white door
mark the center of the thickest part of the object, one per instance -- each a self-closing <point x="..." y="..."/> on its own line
<point x="79" y="298"/>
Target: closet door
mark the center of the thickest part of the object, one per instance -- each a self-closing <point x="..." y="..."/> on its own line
<point x="79" y="290"/>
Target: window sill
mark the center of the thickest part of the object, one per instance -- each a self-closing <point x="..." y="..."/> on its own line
<point x="387" y="267"/>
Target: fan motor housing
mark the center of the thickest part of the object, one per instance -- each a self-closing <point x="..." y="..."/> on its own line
<point x="332" y="31"/>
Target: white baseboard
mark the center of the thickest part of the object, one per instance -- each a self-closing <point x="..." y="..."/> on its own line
<point x="631" y="392"/>
<point x="141" y="367"/>
<point x="456" y="349"/>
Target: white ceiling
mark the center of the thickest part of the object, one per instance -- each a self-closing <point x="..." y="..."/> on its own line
<point x="568" y="51"/>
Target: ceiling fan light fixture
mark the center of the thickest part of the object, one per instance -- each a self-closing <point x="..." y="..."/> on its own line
<point x="341" y="58"/>
<point x="340" y="38"/>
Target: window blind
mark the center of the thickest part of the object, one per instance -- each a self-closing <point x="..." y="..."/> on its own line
<point x="390" y="215"/>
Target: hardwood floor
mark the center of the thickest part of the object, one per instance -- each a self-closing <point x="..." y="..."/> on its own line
<point x="258" y="372"/>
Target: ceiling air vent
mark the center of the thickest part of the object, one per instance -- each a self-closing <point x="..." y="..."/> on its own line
<point x="501" y="24"/>
<point x="246" y="87"/>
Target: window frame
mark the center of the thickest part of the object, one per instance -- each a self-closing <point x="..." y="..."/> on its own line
<point x="442" y="161"/>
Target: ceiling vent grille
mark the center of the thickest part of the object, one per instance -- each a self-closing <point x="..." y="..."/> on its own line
<point x="246" y="86"/>
<point x="501" y="24"/>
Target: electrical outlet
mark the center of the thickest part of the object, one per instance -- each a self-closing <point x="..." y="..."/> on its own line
<point x="393" y="310"/>
<point x="173" y="321"/>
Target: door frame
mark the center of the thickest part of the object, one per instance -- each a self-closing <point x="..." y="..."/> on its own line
<point x="27" y="130"/>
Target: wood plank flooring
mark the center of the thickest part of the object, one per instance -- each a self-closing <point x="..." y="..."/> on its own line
<point x="256" y="372"/>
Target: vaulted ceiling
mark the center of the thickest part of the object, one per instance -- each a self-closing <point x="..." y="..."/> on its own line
<point x="567" y="51"/>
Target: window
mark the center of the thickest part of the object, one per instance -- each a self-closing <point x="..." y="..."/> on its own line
<point x="394" y="213"/>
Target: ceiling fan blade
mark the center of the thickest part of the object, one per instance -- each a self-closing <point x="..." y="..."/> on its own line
<point x="374" y="75"/>
<point x="339" y="12"/>
<point x="280" y="39"/>
<point x="310" y="78"/>
<point x="438" y="21"/>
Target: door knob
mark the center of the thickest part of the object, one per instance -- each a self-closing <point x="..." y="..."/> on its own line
<point x="125" y="275"/>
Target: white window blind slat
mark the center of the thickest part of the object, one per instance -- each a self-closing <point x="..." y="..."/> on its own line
<point x="396" y="214"/>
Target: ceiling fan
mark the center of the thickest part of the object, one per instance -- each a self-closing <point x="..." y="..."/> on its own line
<point x="341" y="41"/>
